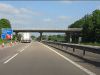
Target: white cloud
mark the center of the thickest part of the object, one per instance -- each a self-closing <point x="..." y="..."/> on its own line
<point x="6" y="8"/>
<point x="26" y="18"/>
<point x="18" y="16"/>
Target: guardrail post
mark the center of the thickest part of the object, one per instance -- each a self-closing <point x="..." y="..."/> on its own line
<point x="83" y="52"/>
<point x="66" y="47"/>
<point x="61" y="46"/>
<point x="73" y="49"/>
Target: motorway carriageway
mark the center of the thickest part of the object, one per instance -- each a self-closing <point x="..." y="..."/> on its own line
<point x="38" y="59"/>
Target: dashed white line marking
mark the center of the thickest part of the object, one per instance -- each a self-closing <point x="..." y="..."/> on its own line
<point x="74" y="63"/>
<point x="16" y="54"/>
<point x="10" y="58"/>
<point x="22" y="50"/>
<point x="4" y="59"/>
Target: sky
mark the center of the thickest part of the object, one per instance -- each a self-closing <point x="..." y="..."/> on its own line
<point x="45" y="14"/>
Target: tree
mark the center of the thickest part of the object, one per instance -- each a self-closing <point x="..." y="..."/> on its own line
<point x="91" y="26"/>
<point x="4" y="23"/>
<point x="33" y="37"/>
<point x="88" y="29"/>
<point x="77" y="24"/>
<point x="96" y="23"/>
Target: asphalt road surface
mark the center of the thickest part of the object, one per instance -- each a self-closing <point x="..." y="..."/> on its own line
<point x="37" y="59"/>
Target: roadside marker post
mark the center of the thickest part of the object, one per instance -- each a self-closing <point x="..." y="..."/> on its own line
<point x="11" y="43"/>
<point x="15" y="42"/>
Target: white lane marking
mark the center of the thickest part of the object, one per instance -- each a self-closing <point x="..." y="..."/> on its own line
<point x="22" y="50"/>
<point x="10" y="58"/>
<point x="74" y="63"/>
<point x="4" y="59"/>
<point x="16" y="54"/>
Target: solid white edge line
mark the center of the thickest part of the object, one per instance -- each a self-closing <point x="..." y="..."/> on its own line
<point x="74" y="63"/>
<point x="10" y="58"/>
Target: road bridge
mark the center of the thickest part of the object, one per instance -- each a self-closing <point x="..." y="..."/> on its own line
<point x="68" y="32"/>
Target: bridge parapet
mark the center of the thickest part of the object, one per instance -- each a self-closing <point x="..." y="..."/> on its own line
<point x="49" y="30"/>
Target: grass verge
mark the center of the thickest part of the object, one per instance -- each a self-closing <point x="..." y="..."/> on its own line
<point x="93" y="44"/>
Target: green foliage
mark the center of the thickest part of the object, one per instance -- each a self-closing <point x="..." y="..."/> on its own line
<point x="90" y="25"/>
<point x="77" y="24"/>
<point x="14" y="37"/>
<point x="4" y="41"/>
<point x="33" y="37"/>
<point x="56" y="38"/>
<point x="91" y="43"/>
<point x="19" y="37"/>
<point x="4" y="23"/>
<point x="1" y="41"/>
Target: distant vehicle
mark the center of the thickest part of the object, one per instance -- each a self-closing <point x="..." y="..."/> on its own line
<point x="26" y="38"/>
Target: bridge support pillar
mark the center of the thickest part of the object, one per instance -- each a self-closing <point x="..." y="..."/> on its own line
<point x="70" y="40"/>
<point x="79" y="39"/>
<point x="66" y="40"/>
<point x="40" y="38"/>
<point x="68" y="37"/>
<point x="16" y="33"/>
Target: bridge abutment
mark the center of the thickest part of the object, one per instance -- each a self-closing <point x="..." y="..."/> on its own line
<point x="73" y="37"/>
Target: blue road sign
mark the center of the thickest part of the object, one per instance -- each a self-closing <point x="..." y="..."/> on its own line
<point x="10" y="31"/>
<point x="3" y="36"/>
<point x="7" y="31"/>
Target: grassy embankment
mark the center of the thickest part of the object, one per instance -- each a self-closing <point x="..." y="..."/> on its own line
<point x="93" y="44"/>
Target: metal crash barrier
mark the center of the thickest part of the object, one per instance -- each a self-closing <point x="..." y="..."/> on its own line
<point x="59" y="45"/>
